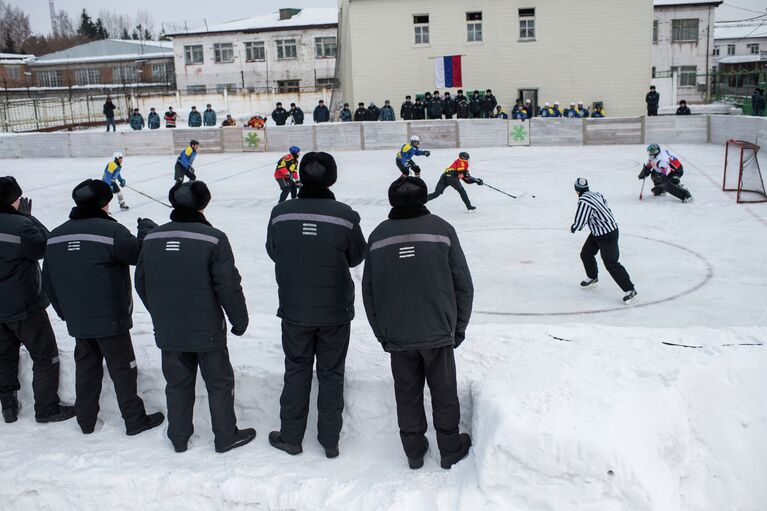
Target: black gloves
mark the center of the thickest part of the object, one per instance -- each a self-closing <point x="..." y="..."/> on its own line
<point x="122" y="182"/>
<point x="236" y="331"/>
<point x="646" y="171"/>
<point x="144" y="226"/>
<point x="25" y="206"/>
<point x="479" y="181"/>
<point x="427" y="153"/>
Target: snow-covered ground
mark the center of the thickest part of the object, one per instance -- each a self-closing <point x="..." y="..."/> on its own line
<point x="573" y="400"/>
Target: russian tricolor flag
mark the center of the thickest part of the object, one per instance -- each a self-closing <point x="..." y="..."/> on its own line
<point x="448" y="71"/>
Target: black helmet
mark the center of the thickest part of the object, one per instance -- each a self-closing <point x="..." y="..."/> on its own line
<point x="581" y="185"/>
<point x="463" y="155"/>
<point x="194" y="142"/>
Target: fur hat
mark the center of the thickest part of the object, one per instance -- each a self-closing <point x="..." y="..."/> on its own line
<point x="318" y="170"/>
<point x="408" y="192"/>
<point x="9" y="190"/>
<point x="192" y="195"/>
<point x="92" y="194"/>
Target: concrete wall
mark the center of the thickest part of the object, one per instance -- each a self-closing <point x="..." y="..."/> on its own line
<point x="694" y="129"/>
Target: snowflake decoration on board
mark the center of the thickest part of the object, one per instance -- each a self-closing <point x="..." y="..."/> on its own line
<point x="519" y="133"/>
<point x="252" y="139"/>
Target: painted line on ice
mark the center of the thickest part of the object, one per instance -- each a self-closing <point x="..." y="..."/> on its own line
<point x="696" y="287"/>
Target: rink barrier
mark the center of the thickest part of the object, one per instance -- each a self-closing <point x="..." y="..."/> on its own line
<point x="356" y="136"/>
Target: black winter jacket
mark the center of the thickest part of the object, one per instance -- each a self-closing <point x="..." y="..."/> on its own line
<point x="416" y="286"/>
<point x="22" y="244"/>
<point x="475" y="106"/>
<point x="321" y="113"/>
<point x="187" y="279"/>
<point x="652" y="99"/>
<point x="419" y="111"/>
<point x="86" y="274"/>
<point x="361" y="114"/>
<point x="462" y="109"/>
<point x="488" y="105"/>
<point x="374" y="113"/>
<point x="406" y="111"/>
<point x="314" y="241"/>
<point x="448" y="107"/>
<point x="298" y="116"/>
<point x="280" y="116"/>
<point x="434" y="108"/>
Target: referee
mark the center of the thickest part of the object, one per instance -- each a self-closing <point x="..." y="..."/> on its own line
<point x="594" y="211"/>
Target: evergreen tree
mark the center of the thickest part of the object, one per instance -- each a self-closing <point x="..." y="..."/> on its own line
<point x="86" y="28"/>
<point x="125" y="34"/>
<point x="100" y="29"/>
<point x="9" y="45"/>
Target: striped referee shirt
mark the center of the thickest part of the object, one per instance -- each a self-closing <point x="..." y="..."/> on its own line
<point x="594" y="211"/>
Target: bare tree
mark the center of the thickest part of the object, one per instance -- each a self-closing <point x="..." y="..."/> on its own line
<point x="64" y="26"/>
<point x="146" y="21"/>
<point x="115" y="23"/>
<point x="14" y="26"/>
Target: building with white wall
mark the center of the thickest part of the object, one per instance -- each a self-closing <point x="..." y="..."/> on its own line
<point x="739" y="39"/>
<point x="288" y="51"/>
<point x="682" y="46"/>
<point x="547" y="50"/>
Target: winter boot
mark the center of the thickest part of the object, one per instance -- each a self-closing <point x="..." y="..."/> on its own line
<point x="331" y="452"/>
<point x="585" y="284"/>
<point x="471" y="208"/>
<point x="124" y="206"/>
<point x="65" y="413"/>
<point x="150" y="421"/>
<point x="276" y="441"/>
<point x="242" y="437"/>
<point x="451" y="459"/>
<point x="630" y="296"/>
<point x="416" y="463"/>
<point x="11" y="407"/>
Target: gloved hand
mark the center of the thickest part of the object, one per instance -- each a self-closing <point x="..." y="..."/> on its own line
<point x="122" y="182"/>
<point x="479" y="181"/>
<point x="427" y="153"/>
<point x="572" y="230"/>
<point x="193" y="177"/>
<point x="299" y="184"/>
<point x="25" y="206"/>
<point x="459" y="338"/>
<point x="646" y="171"/>
<point x="144" y="226"/>
<point x="238" y="332"/>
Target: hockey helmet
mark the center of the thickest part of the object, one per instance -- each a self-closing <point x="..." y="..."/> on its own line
<point x="294" y="149"/>
<point x="117" y="155"/>
<point x="653" y="149"/>
<point x="463" y="155"/>
<point x="415" y="140"/>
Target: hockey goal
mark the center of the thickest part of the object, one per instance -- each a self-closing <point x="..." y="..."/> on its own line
<point x="742" y="173"/>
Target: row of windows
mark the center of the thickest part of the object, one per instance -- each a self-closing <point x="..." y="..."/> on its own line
<point x="752" y="48"/>
<point x="283" y="86"/>
<point x="92" y="76"/>
<point x="474" y="26"/>
<point x="686" y="30"/>
<point x="255" y="51"/>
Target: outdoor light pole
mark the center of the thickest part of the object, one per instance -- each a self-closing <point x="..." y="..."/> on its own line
<point x="28" y="75"/>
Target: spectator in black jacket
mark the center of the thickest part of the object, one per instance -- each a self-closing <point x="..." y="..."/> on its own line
<point x="419" y="110"/>
<point x="475" y="105"/>
<point x="297" y="114"/>
<point x="321" y="113"/>
<point x="653" y="100"/>
<point x="488" y="104"/>
<point x="23" y="319"/>
<point x="417" y="255"/>
<point x="87" y="277"/>
<point x="187" y="279"/>
<point x="462" y="108"/>
<point x="314" y="241"/>
<point x="109" y="113"/>
<point x="683" y="108"/>
<point x="434" y="106"/>
<point x="373" y="112"/>
<point x="361" y="114"/>
<point x="407" y="109"/>
<point x="448" y="106"/>
<point x="758" y="102"/>
<point x="460" y="95"/>
<point x="195" y="118"/>
<point x="279" y="115"/>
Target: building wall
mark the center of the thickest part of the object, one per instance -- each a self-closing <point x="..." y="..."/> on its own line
<point x="741" y="47"/>
<point x="307" y="67"/>
<point x="575" y="56"/>
<point x="667" y="54"/>
<point x="105" y="72"/>
<point x="12" y="74"/>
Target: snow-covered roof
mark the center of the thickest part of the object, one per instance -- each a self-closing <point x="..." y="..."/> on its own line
<point x="743" y="30"/>
<point x="108" y="49"/>
<point x="672" y="3"/>
<point x="14" y="56"/>
<point x="741" y="59"/>
<point x="305" y="18"/>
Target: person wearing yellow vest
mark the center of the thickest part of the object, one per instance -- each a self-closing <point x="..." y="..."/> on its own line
<point x="112" y="177"/>
<point x="453" y="175"/>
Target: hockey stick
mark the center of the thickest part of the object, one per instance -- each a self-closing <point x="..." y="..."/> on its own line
<point x="501" y="191"/>
<point x="148" y="196"/>
<point x="641" y="192"/>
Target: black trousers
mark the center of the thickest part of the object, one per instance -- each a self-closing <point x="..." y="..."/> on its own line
<point x="36" y="334"/>
<point x="406" y="168"/>
<point x="180" y="371"/>
<point x="453" y="182"/>
<point x="652" y="110"/>
<point x="669" y="184"/>
<point x="287" y="186"/>
<point x="179" y="173"/>
<point x="302" y="345"/>
<point x="435" y="366"/>
<point x="607" y="245"/>
<point x="90" y="355"/>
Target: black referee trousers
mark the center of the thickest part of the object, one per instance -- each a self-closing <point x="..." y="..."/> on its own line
<point x="607" y="246"/>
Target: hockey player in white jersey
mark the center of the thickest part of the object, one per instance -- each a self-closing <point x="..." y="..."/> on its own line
<point x="666" y="171"/>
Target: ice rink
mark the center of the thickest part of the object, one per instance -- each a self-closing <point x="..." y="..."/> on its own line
<point x="572" y="398"/>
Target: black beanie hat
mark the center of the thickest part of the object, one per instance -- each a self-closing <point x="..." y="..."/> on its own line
<point x="9" y="190"/>
<point x="191" y="195"/>
<point x="408" y="192"/>
<point x="318" y="170"/>
<point x="92" y="194"/>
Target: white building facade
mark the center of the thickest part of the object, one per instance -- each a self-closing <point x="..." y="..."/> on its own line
<point x="545" y="50"/>
<point x="682" y="47"/>
<point x="289" y="51"/>
<point x="740" y="39"/>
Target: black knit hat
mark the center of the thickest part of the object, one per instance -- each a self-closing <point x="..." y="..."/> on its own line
<point x="9" y="190"/>
<point x="192" y="195"/>
<point x="581" y="185"/>
<point x="408" y="192"/>
<point x="318" y="170"/>
<point x="92" y="194"/>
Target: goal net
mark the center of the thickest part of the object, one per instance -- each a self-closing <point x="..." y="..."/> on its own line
<point x="742" y="173"/>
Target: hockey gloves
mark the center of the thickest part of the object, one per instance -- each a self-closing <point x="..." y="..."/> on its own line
<point x="479" y="181"/>
<point x="121" y="181"/>
<point x="25" y="206"/>
<point x="427" y="153"/>
<point x="646" y="171"/>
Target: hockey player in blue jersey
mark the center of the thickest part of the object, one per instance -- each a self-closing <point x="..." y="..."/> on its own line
<point x="405" y="155"/>
<point x="112" y="177"/>
<point x="184" y="162"/>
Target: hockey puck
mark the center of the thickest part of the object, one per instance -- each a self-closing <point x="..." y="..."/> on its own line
<point x="533" y="196"/>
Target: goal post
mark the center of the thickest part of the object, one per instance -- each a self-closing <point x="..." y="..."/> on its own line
<point x="742" y="173"/>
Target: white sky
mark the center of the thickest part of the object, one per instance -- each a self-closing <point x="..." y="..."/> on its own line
<point x="171" y="11"/>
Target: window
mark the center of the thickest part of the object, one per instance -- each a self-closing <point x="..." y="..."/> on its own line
<point x="288" y="86"/>
<point x="286" y="49"/>
<point x="327" y="83"/>
<point x="124" y="74"/>
<point x="325" y="47"/>
<point x="421" y="25"/>
<point x="254" y="51"/>
<point x="653" y="71"/>
<point x="686" y="75"/>
<point x="13" y="72"/>
<point x="753" y="49"/>
<point x="87" y="76"/>
<point x="715" y="53"/>
<point x="655" y="31"/>
<point x="223" y="53"/>
<point x="229" y="87"/>
<point x="49" y="78"/>
<point x="527" y="24"/>
<point x="193" y="54"/>
<point x="159" y="72"/>
<point x="730" y="49"/>
<point x="684" y="30"/>
<point x="474" y="27"/>
<point x="196" y="89"/>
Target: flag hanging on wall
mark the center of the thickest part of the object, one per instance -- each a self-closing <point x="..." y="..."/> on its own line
<point x="448" y="71"/>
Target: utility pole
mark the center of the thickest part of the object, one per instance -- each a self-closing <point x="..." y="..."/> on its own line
<point x="54" y="28"/>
